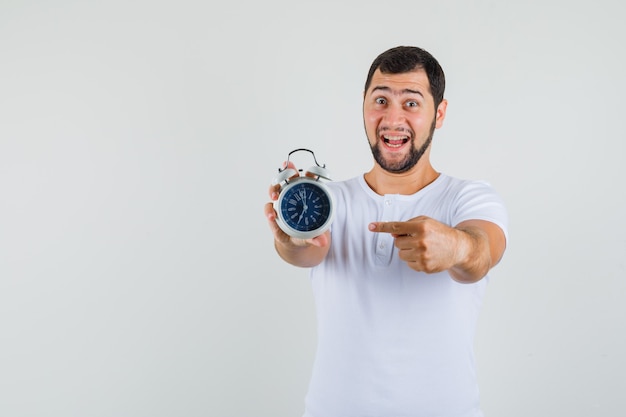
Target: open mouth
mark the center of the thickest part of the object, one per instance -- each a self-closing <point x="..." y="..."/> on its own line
<point x="395" y="141"/>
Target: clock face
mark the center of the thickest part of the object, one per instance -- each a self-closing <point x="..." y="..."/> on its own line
<point x="305" y="208"/>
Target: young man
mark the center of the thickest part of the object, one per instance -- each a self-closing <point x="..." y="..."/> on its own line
<point x="399" y="279"/>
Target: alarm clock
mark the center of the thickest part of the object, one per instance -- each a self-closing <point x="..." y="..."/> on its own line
<point x="304" y="206"/>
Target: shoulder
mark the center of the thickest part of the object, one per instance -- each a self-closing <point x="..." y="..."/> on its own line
<point x="466" y="188"/>
<point x="348" y="187"/>
<point x="475" y="200"/>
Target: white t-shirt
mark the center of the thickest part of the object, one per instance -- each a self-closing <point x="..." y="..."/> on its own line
<point x="393" y="342"/>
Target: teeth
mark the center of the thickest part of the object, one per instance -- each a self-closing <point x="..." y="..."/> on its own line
<point x="395" y="141"/>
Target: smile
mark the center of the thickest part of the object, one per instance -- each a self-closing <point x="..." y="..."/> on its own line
<point x="395" y="141"/>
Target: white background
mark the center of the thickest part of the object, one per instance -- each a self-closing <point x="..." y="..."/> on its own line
<point x="138" y="139"/>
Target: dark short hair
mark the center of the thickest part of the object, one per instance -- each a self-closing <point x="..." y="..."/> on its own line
<point x="401" y="59"/>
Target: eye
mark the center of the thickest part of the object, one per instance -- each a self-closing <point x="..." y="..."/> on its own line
<point x="380" y="100"/>
<point x="412" y="103"/>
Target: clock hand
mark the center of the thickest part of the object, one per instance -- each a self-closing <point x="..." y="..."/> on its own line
<point x="304" y="206"/>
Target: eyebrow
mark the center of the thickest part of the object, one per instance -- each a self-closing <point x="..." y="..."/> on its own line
<point x="404" y="91"/>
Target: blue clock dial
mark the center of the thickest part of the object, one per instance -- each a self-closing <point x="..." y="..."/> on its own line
<point x="305" y="206"/>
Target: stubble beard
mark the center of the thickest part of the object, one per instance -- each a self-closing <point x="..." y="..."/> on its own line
<point x="398" y="167"/>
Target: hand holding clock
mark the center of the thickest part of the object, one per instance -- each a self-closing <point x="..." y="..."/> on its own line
<point x="280" y="236"/>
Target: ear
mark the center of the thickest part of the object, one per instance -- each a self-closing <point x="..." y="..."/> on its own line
<point x="441" y="113"/>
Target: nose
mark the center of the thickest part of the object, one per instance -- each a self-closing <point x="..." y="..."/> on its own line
<point x="394" y="116"/>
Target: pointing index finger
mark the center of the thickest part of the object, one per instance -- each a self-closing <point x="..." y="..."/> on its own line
<point x="387" y="227"/>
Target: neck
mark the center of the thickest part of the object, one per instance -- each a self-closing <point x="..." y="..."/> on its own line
<point x="383" y="182"/>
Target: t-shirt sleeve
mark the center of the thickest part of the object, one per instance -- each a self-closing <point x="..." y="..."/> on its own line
<point x="477" y="200"/>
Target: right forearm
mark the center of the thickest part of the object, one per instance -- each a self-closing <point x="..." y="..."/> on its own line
<point x="303" y="253"/>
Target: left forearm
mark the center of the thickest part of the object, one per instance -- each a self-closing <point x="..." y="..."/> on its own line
<point x="473" y="257"/>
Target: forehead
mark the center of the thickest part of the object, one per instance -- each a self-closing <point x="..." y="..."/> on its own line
<point x="406" y="82"/>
